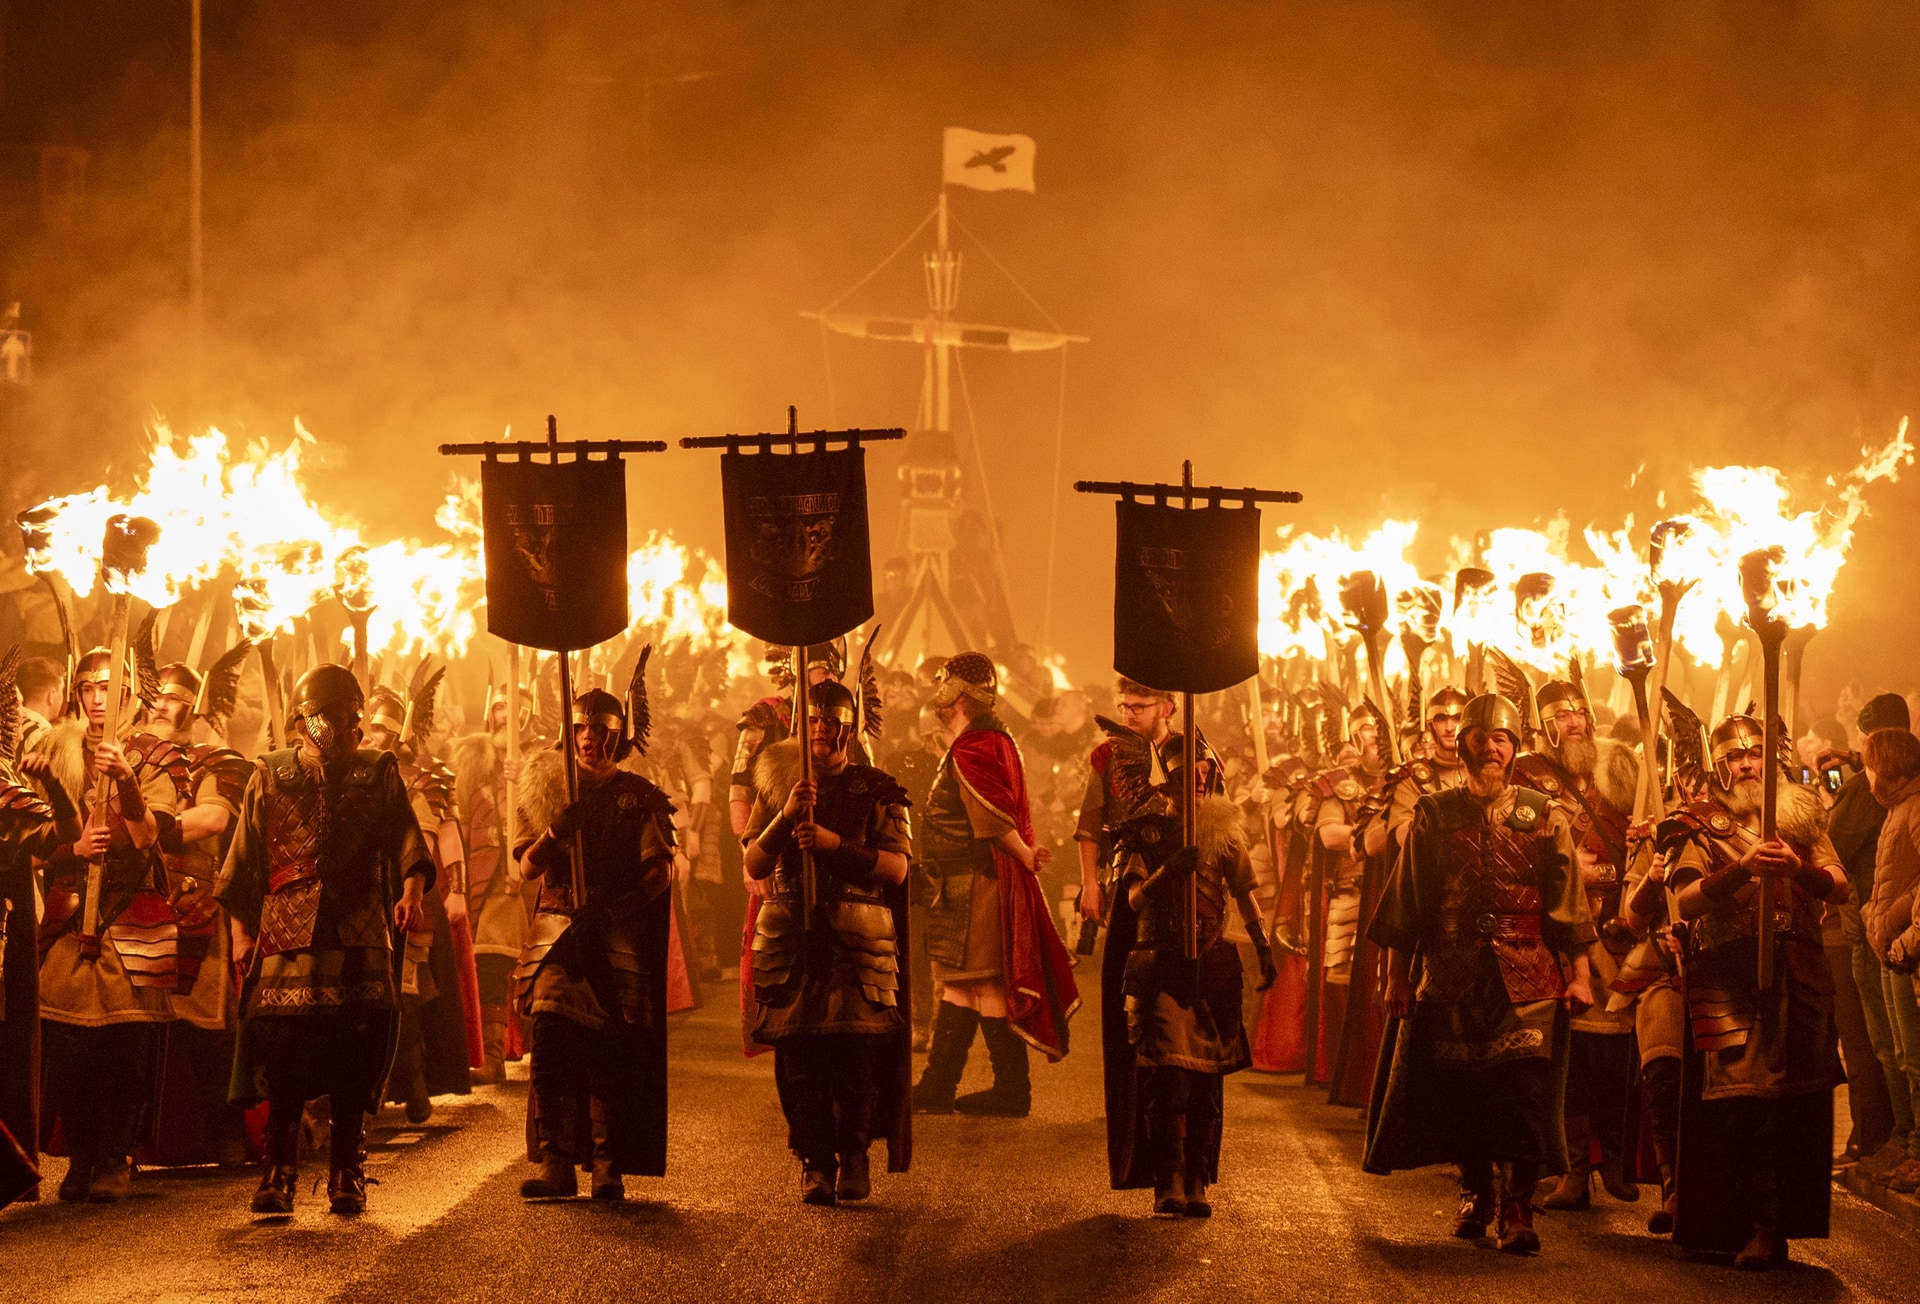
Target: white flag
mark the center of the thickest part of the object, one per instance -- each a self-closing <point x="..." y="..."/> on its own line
<point x="974" y="158"/>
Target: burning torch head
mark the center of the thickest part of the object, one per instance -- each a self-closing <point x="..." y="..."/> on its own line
<point x="1738" y="739"/>
<point x="353" y="580"/>
<point x="325" y="710"/>
<point x="1764" y="589"/>
<point x="1420" y="612"/>
<point x="1534" y="607"/>
<point x="1632" y="642"/>
<point x="1364" y="598"/>
<point x="124" y="551"/>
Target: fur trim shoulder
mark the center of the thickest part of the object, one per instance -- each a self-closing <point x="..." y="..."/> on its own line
<point x="64" y="744"/>
<point x="1802" y="819"/>
<point x="1223" y="833"/>
<point x="776" y="769"/>
<point x="541" y="793"/>
<point x="1616" y="773"/>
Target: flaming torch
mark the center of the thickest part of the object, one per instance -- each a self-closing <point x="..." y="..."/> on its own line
<point x="252" y="608"/>
<point x="353" y="585"/>
<point x="1419" y="631"/>
<point x="123" y="555"/>
<point x="1471" y="587"/>
<point x="1634" y="658"/>
<point x="1365" y="600"/>
<point x="1760" y="584"/>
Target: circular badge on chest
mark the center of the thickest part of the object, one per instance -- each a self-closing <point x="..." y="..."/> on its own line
<point x="1719" y="822"/>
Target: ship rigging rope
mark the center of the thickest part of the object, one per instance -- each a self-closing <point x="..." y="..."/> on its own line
<point x="882" y="265"/>
<point x="1014" y="280"/>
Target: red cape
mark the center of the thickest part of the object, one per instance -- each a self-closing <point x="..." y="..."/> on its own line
<point x="1038" y="972"/>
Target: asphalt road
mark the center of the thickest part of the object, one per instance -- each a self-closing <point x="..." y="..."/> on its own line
<point x="994" y="1210"/>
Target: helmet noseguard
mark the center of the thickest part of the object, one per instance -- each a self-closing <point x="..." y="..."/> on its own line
<point x="181" y="682"/>
<point x="1446" y="701"/>
<point x="385" y="710"/>
<point x="1494" y="714"/>
<point x="967" y="674"/>
<point x="1555" y="698"/>
<point x="95" y="666"/>
<point x="325" y="687"/>
<point x="831" y="701"/>
<point x="1734" y="734"/>
<point x="1360" y="717"/>
<point x="600" y="708"/>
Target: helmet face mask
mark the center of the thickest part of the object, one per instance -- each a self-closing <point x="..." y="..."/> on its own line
<point x="600" y="718"/>
<point x="326" y="707"/>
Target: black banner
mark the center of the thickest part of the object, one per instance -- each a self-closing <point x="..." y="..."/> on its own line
<point x="556" y="540"/>
<point x="1186" y="596"/>
<point x="798" y="566"/>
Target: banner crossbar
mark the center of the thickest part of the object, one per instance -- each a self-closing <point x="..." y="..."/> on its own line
<point x="794" y="437"/>
<point x="526" y="449"/>
<point x="1213" y="494"/>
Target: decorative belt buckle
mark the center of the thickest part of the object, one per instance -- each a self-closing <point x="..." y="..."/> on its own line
<point x="1606" y="875"/>
<point x="1782" y="922"/>
<point x="1486" y="925"/>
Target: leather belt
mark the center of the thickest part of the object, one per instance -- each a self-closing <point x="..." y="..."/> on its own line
<point x="1488" y="924"/>
<point x="287" y="875"/>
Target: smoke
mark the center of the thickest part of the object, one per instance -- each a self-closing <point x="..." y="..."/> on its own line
<point x="1474" y="264"/>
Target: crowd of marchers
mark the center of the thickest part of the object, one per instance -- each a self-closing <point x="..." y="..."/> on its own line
<point x="1521" y="952"/>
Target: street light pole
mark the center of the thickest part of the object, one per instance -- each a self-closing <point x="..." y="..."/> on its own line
<point x="196" y="261"/>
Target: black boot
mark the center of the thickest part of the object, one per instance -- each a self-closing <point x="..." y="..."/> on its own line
<point x="817" y="1177"/>
<point x="953" y="1027"/>
<point x="1476" y="1200"/>
<point x="347" y="1162"/>
<point x="281" y="1172"/>
<point x="1168" y="1136"/>
<point x="1011" y="1095"/>
<point x="1660" y="1087"/>
<point x="607" y="1183"/>
<point x="558" y="1179"/>
<point x="1516" y="1208"/>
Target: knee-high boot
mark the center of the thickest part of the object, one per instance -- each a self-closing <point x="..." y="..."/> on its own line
<point x="953" y="1029"/>
<point x="1011" y="1095"/>
<point x="1660" y="1086"/>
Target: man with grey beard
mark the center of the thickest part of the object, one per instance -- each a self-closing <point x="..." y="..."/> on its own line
<point x="1485" y="897"/>
<point x="1592" y="782"/>
<point x="1756" y="1126"/>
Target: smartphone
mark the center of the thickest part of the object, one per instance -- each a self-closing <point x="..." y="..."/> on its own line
<point x="1832" y="778"/>
<point x="1806" y="775"/>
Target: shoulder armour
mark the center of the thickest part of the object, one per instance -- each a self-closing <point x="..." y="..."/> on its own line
<point x="153" y="750"/>
<point x="763" y="714"/>
<point x="435" y="781"/>
<point x="17" y="800"/>
<point x="886" y="789"/>
<point x="1529" y="814"/>
<point x="649" y="794"/>
<point x="1329" y="783"/>
<point x="1102" y="758"/>
<point x="1421" y="772"/>
<point x="1699" y="819"/>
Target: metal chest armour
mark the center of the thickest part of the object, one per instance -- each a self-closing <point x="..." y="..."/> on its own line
<point x="1490" y="899"/>
<point x="322" y="840"/>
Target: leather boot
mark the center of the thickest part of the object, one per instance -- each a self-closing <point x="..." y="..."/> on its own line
<point x="1574" y="1190"/>
<point x="817" y="1178"/>
<point x="1660" y="1221"/>
<point x="280" y="1174"/>
<point x="1198" y="1206"/>
<point x="112" y="1181"/>
<point x="1011" y="1095"/>
<point x="493" y="1043"/>
<point x="1168" y="1136"/>
<point x="1476" y="1201"/>
<point x="953" y="1028"/>
<point x="856" y="1176"/>
<point x="1516" y="1209"/>
<point x="1766" y="1249"/>
<point x="347" y="1163"/>
<point x="607" y="1182"/>
<point x="558" y="1179"/>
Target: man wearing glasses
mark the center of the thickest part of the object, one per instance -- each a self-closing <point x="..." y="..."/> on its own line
<point x="1148" y="712"/>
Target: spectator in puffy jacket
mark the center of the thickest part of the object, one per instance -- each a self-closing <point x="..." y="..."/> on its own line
<point x="1891" y="758"/>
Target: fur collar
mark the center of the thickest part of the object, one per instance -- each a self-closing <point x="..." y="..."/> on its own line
<point x="775" y="770"/>
<point x="541" y="793"/>
<point x="1802" y="819"/>
<point x="1223" y="834"/>
<point x="65" y="747"/>
<point x="1616" y="774"/>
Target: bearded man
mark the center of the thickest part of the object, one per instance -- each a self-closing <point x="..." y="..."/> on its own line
<point x="1004" y="970"/>
<point x="1756" y="1126"/>
<point x="1486" y="896"/>
<point x="826" y="990"/>
<point x="1593" y="782"/>
<point x="326" y="860"/>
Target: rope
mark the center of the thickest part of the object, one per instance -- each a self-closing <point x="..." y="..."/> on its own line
<point x="986" y="490"/>
<point x="1003" y="270"/>
<point x="1053" y="524"/>
<point x="900" y="249"/>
